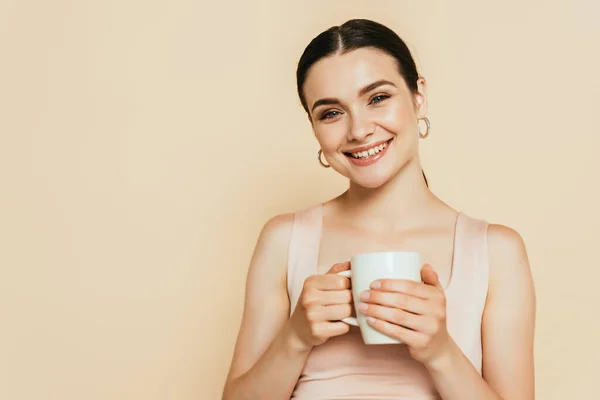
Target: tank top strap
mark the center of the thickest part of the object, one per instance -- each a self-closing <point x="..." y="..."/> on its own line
<point x="471" y="266"/>
<point x="467" y="292"/>
<point x="303" y="253"/>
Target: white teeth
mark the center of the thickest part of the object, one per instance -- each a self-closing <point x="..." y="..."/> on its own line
<point x="370" y="152"/>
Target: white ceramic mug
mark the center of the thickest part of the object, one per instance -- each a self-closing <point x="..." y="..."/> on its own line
<point x="368" y="267"/>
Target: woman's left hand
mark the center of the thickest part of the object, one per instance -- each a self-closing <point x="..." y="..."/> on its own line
<point x="413" y="312"/>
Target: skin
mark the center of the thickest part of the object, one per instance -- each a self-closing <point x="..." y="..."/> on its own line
<point x="387" y="205"/>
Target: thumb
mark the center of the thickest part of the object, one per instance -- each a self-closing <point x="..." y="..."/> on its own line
<point x="430" y="277"/>
<point x="339" y="267"/>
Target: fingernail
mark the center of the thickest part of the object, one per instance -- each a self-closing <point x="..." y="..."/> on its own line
<point x="375" y="285"/>
<point x="370" y="320"/>
<point x="364" y="296"/>
<point x="362" y="307"/>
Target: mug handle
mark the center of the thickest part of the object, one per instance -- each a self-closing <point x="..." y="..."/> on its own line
<point x="349" y="320"/>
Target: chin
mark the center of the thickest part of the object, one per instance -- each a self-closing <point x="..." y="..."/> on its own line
<point x="372" y="180"/>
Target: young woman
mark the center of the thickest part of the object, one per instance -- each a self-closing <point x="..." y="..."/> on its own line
<point x="467" y="329"/>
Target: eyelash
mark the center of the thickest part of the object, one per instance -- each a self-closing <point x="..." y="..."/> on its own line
<point x="383" y="97"/>
<point x="325" y="115"/>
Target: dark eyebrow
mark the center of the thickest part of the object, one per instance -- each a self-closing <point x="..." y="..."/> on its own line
<point x="361" y="92"/>
<point x="321" y="102"/>
<point x="374" y="85"/>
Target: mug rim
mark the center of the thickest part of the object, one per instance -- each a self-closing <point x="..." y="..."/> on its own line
<point x="370" y="253"/>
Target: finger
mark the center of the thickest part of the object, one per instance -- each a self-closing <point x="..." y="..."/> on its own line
<point x="406" y="286"/>
<point x="331" y="297"/>
<point x="415" y="305"/>
<point x="396" y="316"/>
<point x="326" y="297"/>
<point x="339" y="267"/>
<point x="335" y="312"/>
<point x="407" y="336"/>
<point x="330" y="329"/>
<point x="430" y="277"/>
<point x="329" y="282"/>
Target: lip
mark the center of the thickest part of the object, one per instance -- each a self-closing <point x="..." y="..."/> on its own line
<point x="366" y="147"/>
<point x="363" y="162"/>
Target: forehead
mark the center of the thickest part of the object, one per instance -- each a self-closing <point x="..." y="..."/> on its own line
<point x="342" y="75"/>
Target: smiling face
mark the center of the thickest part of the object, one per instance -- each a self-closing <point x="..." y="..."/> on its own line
<point x="364" y="115"/>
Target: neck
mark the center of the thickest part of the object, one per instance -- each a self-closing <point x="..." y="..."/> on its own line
<point x="404" y="197"/>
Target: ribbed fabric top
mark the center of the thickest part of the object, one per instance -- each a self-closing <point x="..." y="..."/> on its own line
<point x="344" y="368"/>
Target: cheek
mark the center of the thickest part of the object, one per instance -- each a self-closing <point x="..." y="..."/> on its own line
<point x="330" y="136"/>
<point x="399" y="119"/>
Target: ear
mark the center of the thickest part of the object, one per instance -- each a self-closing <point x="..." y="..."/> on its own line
<point x="421" y="98"/>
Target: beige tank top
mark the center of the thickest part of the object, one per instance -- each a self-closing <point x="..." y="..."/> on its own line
<point x="344" y="367"/>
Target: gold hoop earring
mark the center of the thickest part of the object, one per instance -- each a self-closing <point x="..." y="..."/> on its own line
<point x="320" y="161"/>
<point x="424" y="135"/>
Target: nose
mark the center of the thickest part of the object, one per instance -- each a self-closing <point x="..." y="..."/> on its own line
<point x="360" y="128"/>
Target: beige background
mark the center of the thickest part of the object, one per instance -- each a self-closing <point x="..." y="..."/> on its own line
<point x="143" y="145"/>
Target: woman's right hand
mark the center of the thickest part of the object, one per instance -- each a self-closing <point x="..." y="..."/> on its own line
<point x="325" y="300"/>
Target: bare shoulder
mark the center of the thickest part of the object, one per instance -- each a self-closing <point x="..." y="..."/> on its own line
<point x="508" y="259"/>
<point x="272" y="246"/>
<point x="505" y="242"/>
<point x="276" y="232"/>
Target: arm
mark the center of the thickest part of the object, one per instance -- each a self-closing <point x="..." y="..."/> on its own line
<point x="268" y="358"/>
<point x="507" y="331"/>
<point x="415" y="313"/>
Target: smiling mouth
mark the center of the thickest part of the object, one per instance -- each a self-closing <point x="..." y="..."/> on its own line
<point x="370" y="152"/>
